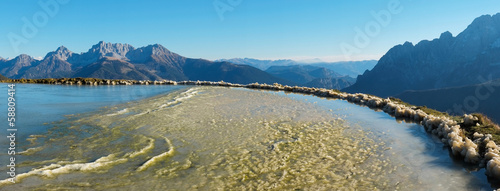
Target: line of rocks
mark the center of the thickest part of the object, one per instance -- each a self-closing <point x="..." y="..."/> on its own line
<point x="481" y="150"/>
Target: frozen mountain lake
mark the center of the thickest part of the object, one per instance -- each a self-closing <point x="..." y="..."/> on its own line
<point x="215" y="138"/>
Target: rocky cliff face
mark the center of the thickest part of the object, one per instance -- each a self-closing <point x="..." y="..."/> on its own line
<point x="447" y="61"/>
<point x="61" y="53"/>
<point x="100" y="50"/>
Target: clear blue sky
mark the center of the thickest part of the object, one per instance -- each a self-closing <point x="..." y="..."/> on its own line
<point x="264" y="29"/>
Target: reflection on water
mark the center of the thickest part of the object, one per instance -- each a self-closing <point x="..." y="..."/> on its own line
<point x="219" y="138"/>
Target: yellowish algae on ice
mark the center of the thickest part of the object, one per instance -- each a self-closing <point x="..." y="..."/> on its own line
<point x="209" y="139"/>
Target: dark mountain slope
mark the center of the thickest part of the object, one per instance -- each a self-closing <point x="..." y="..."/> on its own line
<point x="3" y="77"/>
<point x="331" y="83"/>
<point x="112" y="68"/>
<point x="481" y="98"/>
<point x="160" y="61"/>
<point x="199" y="69"/>
<point x="50" y="67"/>
<point x="444" y="62"/>
<point x="301" y="74"/>
<point x="16" y="67"/>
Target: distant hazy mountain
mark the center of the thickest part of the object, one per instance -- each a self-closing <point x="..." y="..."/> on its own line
<point x="196" y="69"/>
<point x="301" y="74"/>
<point x="447" y="61"/>
<point x="350" y="68"/>
<point x="332" y="83"/>
<point x="123" y="61"/>
<point x="482" y="98"/>
<point x="311" y="76"/>
<point x="260" y="64"/>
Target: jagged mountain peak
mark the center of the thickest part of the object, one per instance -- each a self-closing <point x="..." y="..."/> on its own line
<point x="102" y="44"/>
<point x="61" y="53"/>
<point x="24" y="58"/>
<point x="156" y="49"/>
<point x="116" y="50"/>
<point x="485" y="20"/>
<point x="100" y="50"/>
<point x="408" y="44"/>
<point x="156" y="52"/>
<point x="483" y="27"/>
<point x="62" y="48"/>
<point x="446" y="35"/>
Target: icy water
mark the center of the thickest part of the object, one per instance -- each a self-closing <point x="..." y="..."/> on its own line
<point x="213" y="138"/>
<point x="39" y="104"/>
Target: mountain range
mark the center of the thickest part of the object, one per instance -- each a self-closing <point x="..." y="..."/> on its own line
<point x="312" y="76"/>
<point x="123" y="61"/>
<point x="453" y="74"/>
<point x="349" y="68"/>
<point x="447" y="61"/>
<point x="155" y="62"/>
